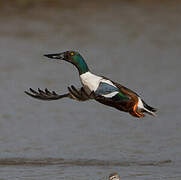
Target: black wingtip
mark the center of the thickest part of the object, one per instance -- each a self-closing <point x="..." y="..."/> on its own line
<point x="26" y="92"/>
<point x="29" y="94"/>
<point x="154" y="109"/>
<point x="149" y="107"/>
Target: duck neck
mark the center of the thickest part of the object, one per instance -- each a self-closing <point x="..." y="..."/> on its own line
<point x="81" y="65"/>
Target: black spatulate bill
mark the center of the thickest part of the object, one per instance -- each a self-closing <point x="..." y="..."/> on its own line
<point x="55" y="56"/>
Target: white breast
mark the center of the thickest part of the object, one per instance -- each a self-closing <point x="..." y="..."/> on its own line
<point x="90" y="81"/>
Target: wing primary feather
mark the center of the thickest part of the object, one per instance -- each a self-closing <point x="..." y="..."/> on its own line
<point x="47" y="91"/>
<point x="47" y="95"/>
<point x="33" y="91"/>
<point x="73" y="93"/>
<point x="74" y="89"/>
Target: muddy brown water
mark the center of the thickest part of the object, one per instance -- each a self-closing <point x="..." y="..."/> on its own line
<point x="136" y="44"/>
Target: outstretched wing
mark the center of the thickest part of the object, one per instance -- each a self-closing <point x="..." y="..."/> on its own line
<point x="125" y="90"/>
<point x="47" y="95"/>
<point x="115" y="95"/>
<point x="79" y="95"/>
<point x="117" y="101"/>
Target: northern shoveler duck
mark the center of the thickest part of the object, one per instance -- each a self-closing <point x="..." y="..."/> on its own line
<point x="114" y="176"/>
<point x="96" y="87"/>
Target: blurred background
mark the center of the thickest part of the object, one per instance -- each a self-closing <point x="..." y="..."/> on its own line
<point x="134" y="42"/>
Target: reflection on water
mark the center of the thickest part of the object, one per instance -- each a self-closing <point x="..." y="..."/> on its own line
<point x="135" y="43"/>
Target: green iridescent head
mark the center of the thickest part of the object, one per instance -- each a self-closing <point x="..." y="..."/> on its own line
<point x="73" y="57"/>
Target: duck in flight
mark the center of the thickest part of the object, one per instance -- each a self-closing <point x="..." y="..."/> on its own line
<point x="96" y="87"/>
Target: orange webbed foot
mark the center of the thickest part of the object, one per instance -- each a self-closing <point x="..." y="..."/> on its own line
<point x="136" y="113"/>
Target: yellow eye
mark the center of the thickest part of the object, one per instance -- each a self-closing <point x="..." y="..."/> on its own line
<point x="72" y="53"/>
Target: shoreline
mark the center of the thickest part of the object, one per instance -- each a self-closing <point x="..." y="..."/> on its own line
<point x="41" y="8"/>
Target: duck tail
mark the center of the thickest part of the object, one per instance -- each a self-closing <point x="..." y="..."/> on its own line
<point x="148" y="109"/>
